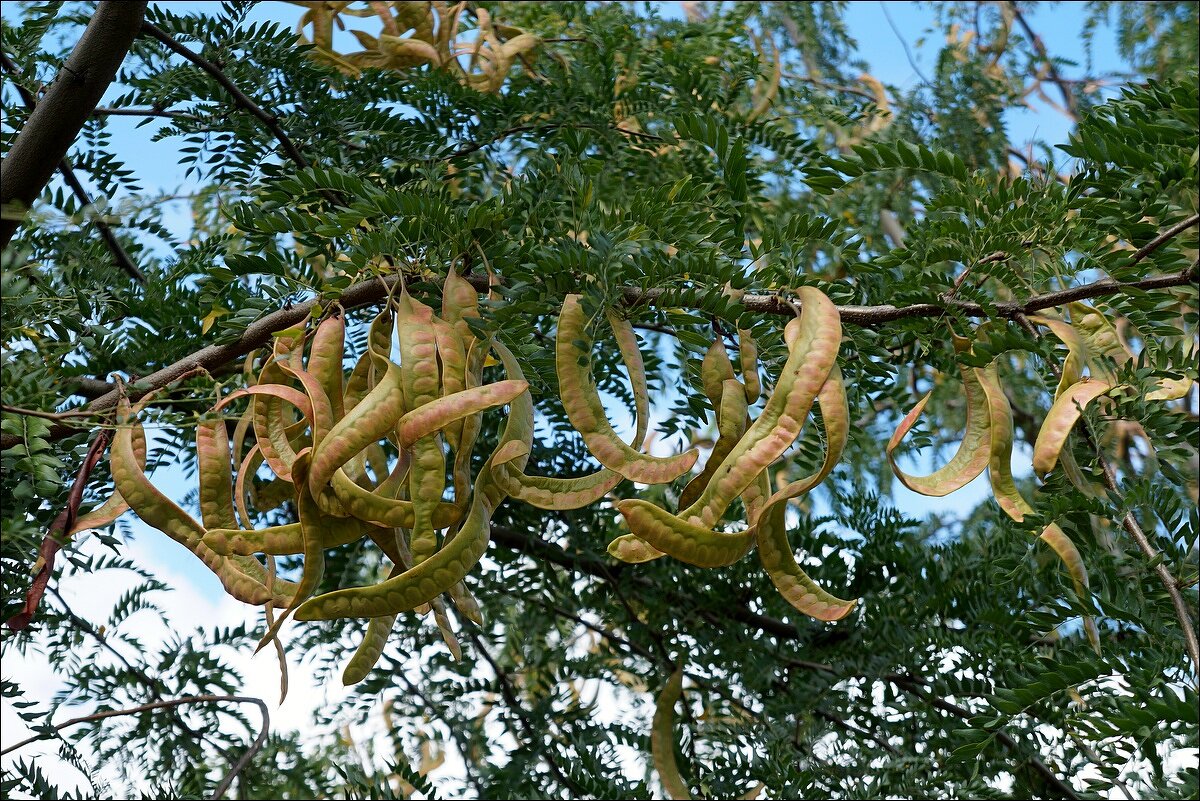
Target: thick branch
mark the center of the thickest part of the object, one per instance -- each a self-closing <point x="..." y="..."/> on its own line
<point x="70" y="100"/>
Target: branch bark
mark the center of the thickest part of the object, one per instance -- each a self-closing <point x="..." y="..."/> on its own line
<point x="69" y="102"/>
<point x="372" y="291"/>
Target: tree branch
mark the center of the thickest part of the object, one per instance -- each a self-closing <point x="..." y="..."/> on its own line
<point x="254" y="748"/>
<point x="374" y="290"/>
<point x="67" y="105"/>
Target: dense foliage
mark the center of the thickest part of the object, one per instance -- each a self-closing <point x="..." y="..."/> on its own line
<point x="691" y="173"/>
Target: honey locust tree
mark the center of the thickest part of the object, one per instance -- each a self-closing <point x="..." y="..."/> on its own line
<point x="441" y="260"/>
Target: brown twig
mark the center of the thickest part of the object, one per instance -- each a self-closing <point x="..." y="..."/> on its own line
<point x="147" y="112"/>
<point x="59" y="530"/>
<point x="254" y="748"/>
<point x="373" y="290"/>
<point x="1071" y="109"/>
<point x="239" y="97"/>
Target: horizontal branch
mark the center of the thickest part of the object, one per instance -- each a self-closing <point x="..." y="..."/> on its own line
<point x="366" y="293"/>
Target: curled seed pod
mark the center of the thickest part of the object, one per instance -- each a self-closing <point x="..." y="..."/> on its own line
<point x="452" y="357"/>
<point x="421" y="380"/>
<point x="437" y="414"/>
<point x="284" y="540"/>
<point x="543" y="492"/>
<point x="788" y="577"/>
<point x="631" y="356"/>
<point x="377" y="508"/>
<point x="1061" y="418"/>
<point x="1013" y="503"/>
<point x="586" y="412"/>
<point x="325" y="361"/>
<point x="687" y="542"/>
<point x="770" y="526"/>
<point x="116" y="505"/>
<point x="973" y="452"/>
<point x="662" y="738"/>
<point x="731" y="425"/>
<point x="715" y="370"/>
<point x="1072" y="372"/>
<point x="370" y="419"/>
<point x="370" y="649"/>
<point x="216" y="476"/>
<point x="242" y="577"/>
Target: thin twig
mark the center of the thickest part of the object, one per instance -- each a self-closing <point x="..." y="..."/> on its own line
<point x="1072" y="109"/>
<point x="192" y="699"/>
<point x="912" y="62"/>
<point x="119" y="255"/>
<point x="147" y="112"/>
<point x="240" y="98"/>
<point x="910" y="686"/>
<point x="531" y="731"/>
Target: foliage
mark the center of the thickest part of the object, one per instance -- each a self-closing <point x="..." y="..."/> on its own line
<point x="630" y="157"/>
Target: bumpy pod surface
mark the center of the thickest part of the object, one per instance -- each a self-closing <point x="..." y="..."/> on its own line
<point x="586" y="412"/>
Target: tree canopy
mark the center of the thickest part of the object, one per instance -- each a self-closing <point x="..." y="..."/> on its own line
<point x="416" y="229"/>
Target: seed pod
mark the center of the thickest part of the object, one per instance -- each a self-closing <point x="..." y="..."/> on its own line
<point x="973" y="452"/>
<point x="748" y="361"/>
<point x="1060" y="420"/>
<point x="815" y="337"/>
<point x="662" y="738"/>
<point x="1013" y="503"/>
<point x="586" y="412"/>
<point x="731" y="425"/>
<point x="629" y="548"/>
<point x="242" y="577"/>
<point x="543" y="492"/>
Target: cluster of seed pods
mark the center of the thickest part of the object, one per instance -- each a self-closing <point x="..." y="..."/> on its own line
<point x="322" y="434"/>
<point x="433" y="39"/>
<point x="988" y="439"/>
